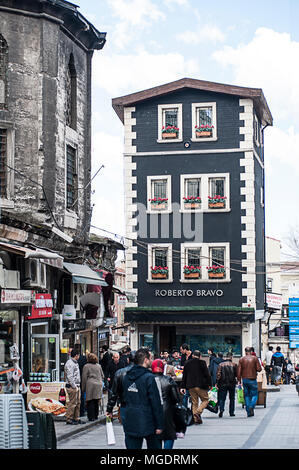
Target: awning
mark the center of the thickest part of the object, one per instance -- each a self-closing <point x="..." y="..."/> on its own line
<point x="83" y="274"/>
<point x="118" y="346"/>
<point x="48" y="257"/>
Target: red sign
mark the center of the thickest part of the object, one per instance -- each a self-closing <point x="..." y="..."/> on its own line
<point x="42" y="307"/>
<point x="35" y="388"/>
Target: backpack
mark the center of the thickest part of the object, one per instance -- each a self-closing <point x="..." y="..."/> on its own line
<point x="290" y="368"/>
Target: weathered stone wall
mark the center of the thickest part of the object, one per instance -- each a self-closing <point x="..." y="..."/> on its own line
<point x="39" y="53"/>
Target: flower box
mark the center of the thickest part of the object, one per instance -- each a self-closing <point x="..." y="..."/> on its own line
<point x="213" y="205"/>
<point x="204" y="131"/>
<point x="204" y="134"/>
<point x="192" y="275"/>
<point x="192" y="202"/>
<point x="192" y="272"/>
<point x="158" y="207"/>
<point x="170" y="132"/>
<point x="216" y="275"/>
<point x="159" y="272"/>
<point x="192" y="205"/>
<point x="169" y="135"/>
<point x="216" y="202"/>
<point x="159" y="276"/>
<point x="158" y="203"/>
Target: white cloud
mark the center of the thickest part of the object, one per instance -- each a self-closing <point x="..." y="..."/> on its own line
<point x="133" y="16"/>
<point x="108" y="199"/>
<point x="204" y="35"/>
<point x="134" y="72"/>
<point x="269" y="62"/>
<point x="282" y="147"/>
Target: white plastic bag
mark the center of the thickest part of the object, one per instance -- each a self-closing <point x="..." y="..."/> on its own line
<point x="110" y="432"/>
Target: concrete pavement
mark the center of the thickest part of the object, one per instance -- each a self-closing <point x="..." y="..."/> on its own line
<point x="273" y="427"/>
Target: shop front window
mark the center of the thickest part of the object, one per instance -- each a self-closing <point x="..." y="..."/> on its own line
<point x="8" y="321"/>
<point x="44" y="358"/>
<point x="219" y="343"/>
<point x="147" y="341"/>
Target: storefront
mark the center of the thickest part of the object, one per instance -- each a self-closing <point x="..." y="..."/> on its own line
<point x="9" y="335"/>
<point x="223" y="330"/>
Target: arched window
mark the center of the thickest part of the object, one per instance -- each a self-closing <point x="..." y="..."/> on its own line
<point x="71" y="94"/>
<point x="3" y="71"/>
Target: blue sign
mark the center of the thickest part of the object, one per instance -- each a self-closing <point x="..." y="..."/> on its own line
<point x="293" y="311"/>
<point x="294" y="322"/>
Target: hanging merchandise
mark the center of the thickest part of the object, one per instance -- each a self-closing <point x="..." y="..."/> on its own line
<point x="17" y="373"/>
<point x="23" y="387"/>
<point x="14" y="352"/>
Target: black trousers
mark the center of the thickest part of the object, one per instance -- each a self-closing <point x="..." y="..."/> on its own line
<point x="92" y="407"/>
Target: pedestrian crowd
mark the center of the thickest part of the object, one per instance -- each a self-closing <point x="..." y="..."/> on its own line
<point x="155" y="404"/>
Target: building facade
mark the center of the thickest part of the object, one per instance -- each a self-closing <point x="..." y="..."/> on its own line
<point x="46" y="51"/>
<point x="194" y="186"/>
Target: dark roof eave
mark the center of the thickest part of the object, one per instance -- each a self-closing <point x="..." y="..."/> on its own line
<point x="256" y="94"/>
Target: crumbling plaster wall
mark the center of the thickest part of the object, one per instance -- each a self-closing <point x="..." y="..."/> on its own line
<point x="39" y="53"/>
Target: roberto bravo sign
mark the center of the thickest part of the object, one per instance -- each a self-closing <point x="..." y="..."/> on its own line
<point x="188" y="293"/>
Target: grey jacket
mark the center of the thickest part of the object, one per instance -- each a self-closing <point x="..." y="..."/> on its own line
<point x="72" y="373"/>
<point x="92" y="381"/>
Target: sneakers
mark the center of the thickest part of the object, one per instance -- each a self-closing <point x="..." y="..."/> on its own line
<point x="250" y="412"/>
<point x="220" y="414"/>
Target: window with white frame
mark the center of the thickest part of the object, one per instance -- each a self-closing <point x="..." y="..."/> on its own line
<point x="192" y="266"/>
<point x="169" y="122"/>
<point x="158" y="191"/>
<point x="205" y="262"/>
<point x="204" y="121"/>
<point x="6" y="164"/>
<point x="160" y="262"/>
<point x="256" y="130"/>
<point x="205" y="192"/>
<point x="217" y="260"/>
<point x="217" y="197"/>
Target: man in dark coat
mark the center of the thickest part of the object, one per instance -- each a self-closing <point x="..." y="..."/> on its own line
<point x="197" y="379"/>
<point x="226" y="380"/>
<point x="142" y="409"/>
<point x="113" y="366"/>
<point x="214" y="363"/>
<point x="106" y="359"/>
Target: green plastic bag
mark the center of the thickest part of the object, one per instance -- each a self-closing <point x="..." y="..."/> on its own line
<point x="240" y="395"/>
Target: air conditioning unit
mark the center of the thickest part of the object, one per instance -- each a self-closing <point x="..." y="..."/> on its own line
<point x="36" y="273"/>
<point x="72" y="293"/>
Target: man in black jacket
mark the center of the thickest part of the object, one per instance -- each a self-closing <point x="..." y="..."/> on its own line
<point x="226" y="379"/>
<point x="197" y="379"/>
<point x="141" y="402"/>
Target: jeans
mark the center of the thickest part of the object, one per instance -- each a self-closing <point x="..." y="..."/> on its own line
<point x="133" y="442"/>
<point x="250" y="393"/>
<point x="185" y="399"/>
<point x="168" y="443"/>
<point x="222" y="393"/>
<point x="276" y="373"/>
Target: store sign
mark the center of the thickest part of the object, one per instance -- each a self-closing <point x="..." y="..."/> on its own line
<point x="69" y="312"/>
<point x="42" y="307"/>
<point x="11" y="296"/>
<point x="294" y="322"/>
<point x="189" y="293"/>
<point x="274" y="301"/>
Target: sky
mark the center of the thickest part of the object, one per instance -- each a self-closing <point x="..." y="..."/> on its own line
<point x="151" y="42"/>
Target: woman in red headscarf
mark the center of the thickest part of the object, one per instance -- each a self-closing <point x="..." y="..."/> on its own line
<point x="170" y="396"/>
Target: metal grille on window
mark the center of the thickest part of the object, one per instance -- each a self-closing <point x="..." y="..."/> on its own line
<point x="3" y="158"/>
<point x="170" y="117"/>
<point x="193" y="188"/>
<point x="204" y="116"/>
<point x="3" y="71"/>
<point x="193" y="257"/>
<point x="71" y="94"/>
<point x="216" y="187"/>
<point x="71" y="177"/>
<point x="160" y="189"/>
<point x="160" y="257"/>
<point x="217" y="256"/>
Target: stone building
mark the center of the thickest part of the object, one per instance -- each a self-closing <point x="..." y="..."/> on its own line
<point x="46" y="50"/>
